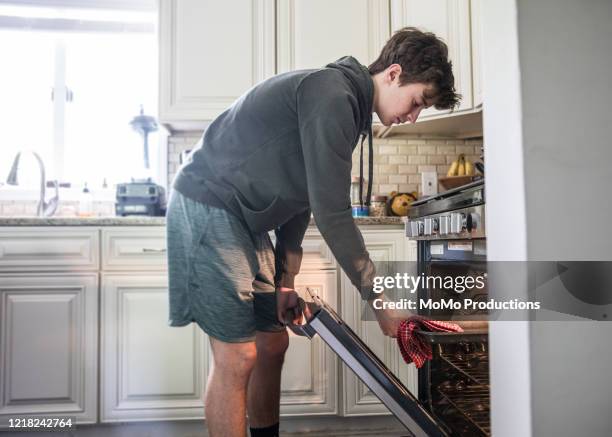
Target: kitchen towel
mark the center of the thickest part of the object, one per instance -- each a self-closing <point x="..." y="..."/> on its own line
<point x="414" y="348"/>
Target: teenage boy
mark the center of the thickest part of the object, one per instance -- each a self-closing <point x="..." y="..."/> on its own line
<point x="282" y="151"/>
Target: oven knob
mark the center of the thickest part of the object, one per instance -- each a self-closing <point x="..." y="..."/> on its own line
<point x="430" y="226"/>
<point x="472" y="221"/>
<point x="414" y="228"/>
<point x="457" y="222"/>
<point x="444" y="225"/>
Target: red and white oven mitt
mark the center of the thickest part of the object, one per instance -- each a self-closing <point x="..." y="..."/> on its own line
<point x="414" y="348"/>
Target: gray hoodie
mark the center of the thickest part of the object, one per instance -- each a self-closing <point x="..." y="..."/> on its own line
<point x="284" y="150"/>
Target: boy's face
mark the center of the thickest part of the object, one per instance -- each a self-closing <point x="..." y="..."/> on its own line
<point x="401" y="103"/>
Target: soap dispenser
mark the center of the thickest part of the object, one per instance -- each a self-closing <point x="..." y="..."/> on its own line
<point x="86" y="203"/>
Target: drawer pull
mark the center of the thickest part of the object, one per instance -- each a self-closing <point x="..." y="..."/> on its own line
<point x="147" y="250"/>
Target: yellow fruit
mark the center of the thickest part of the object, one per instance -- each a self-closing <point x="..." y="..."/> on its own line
<point x="461" y="169"/>
<point x="469" y="168"/>
<point x="452" y="171"/>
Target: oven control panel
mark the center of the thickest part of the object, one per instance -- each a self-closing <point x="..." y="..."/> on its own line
<point x="461" y="223"/>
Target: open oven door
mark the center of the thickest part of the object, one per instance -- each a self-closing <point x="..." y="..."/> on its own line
<point x="325" y="322"/>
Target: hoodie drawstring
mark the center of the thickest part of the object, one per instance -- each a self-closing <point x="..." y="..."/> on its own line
<point x="361" y="171"/>
<point x="370" y="167"/>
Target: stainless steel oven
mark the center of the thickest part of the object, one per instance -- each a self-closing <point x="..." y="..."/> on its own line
<point x="453" y="394"/>
<point x="450" y="230"/>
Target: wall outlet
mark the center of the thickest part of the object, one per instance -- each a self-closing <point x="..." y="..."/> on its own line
<point x="429" y="183"/>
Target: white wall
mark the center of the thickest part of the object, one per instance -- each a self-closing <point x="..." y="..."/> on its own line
<point x="566" y="65"/>
<point x="505" y="209"/>
<point x="562" y="184"/>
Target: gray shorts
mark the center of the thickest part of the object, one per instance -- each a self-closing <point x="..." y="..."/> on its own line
<point x="221" y="275"/>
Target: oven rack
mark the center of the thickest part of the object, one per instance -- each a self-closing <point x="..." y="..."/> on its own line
<point x="465" y="401"/>
<point x="467" y="336"/>
<point x="478" y="374"/>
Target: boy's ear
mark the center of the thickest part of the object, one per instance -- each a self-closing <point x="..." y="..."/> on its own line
<point x="394" y="71"/>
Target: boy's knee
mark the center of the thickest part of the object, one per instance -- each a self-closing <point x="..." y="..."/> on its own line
<point x="236" y="360"/>
<point x="272" y="346"/>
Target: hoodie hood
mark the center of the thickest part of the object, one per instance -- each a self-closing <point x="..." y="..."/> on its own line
<point x="360" y="78"/>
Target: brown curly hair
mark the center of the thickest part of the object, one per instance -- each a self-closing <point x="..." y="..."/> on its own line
<point x="424" y="59"/>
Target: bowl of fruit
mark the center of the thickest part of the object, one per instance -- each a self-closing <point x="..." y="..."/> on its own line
<point x="460" y="172"/>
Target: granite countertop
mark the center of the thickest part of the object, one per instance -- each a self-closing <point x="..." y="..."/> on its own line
<point x="145" y="221"/>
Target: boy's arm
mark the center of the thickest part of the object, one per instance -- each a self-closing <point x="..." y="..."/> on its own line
<point x="328" y="132"/>
<point x="288" y="250"/>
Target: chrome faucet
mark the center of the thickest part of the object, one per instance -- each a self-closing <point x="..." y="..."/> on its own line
<point x="44" y="209"/>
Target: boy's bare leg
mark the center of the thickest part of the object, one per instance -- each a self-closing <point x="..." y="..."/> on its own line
<point x="225" y="404"/>
<point x="264" y="386"/>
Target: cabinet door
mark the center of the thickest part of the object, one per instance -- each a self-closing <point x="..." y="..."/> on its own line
<point x="134" y="248"/>
<point x="313" y="33"/>
<point x="149" y="370"/>
<point x="49" y="346"/>
<point x="308" y="384"/>
<point x="476" y="28"/>
<point x="48" y="248"/>
<point x="383" y="245"/>
<point x="449" y="20"/>
<point x="211" y="52"/>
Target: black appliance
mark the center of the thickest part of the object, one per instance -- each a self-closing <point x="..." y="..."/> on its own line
<point x="453" y="397"/>
<point x="140" y="197"/>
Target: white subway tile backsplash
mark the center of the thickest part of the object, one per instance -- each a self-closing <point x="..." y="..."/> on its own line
<point x="398" y="179"/>
<point x="417" y="159"/>
<point x="407" y="150"/>
<point x="466" y="150"/>
<point x="445" y="150"/>
<point x="388" y="188"/>
<point x="422" y="168"/>
<point x="407" y="169"/>
<point x="387" y="150"/>
<point x="414" y="179"/>
<point x="436" y="159"/>
<point x="407" y="188"/>
<point x="398" y="162"/>
<point x="397" y="159"/>
<point x="427" y="150"/>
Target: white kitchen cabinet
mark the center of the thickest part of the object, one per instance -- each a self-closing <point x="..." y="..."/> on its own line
<point x="310" y="372"/>
<point x="47" y="248"/>
<point x="313" y="33"/>
<point x="62" y="288"/>
<point x="134" y="248"/>
<point x="449" y="20"/>
<point x="211" y="52"/>
<point x="476" y="29"/>
<point x="383" y="245"/>
<point x="309" y="379"/>
<point x="149" y="370"/>
<point x="48" y="345"/>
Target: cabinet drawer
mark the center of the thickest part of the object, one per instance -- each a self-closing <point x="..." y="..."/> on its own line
<point x="48" y="248"/>
<point x="134" y="248"/>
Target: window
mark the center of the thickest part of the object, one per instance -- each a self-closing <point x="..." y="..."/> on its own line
<point x="71" y="81"/>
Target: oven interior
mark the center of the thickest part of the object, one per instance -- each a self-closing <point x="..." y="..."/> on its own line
<point x="454" y="385"/>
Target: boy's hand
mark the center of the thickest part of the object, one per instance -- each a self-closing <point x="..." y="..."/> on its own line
<point x="289" y="306"/>
<point x="388" y="319"/>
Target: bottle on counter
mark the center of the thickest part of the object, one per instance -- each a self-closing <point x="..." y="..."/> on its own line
<point x="358" y="209"/>
<point x="378" y="208"/>
<point x="85" y="203"/>
<point x="355" y="201"/>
